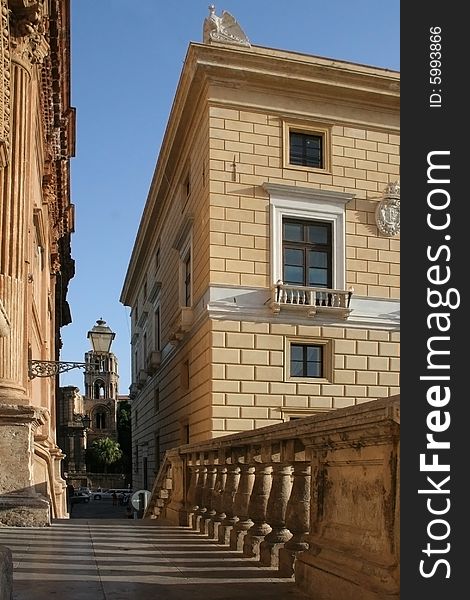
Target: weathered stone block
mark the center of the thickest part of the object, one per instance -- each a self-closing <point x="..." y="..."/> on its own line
<point x="6" y="574"/>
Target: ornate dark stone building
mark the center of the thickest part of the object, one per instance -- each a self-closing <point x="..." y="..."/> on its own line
<point x="37" y="139"/>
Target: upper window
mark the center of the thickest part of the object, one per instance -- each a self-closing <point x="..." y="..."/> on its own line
<point x="306" y="146"/>
<point x="305" y="149"/>
<point x="307" y="253"/>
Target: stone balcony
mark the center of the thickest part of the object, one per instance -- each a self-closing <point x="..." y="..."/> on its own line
<point x="311" y="300"/>
<point x="316" y="499"/>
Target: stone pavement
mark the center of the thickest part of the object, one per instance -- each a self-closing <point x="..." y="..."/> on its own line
<point x="130" y="559"/>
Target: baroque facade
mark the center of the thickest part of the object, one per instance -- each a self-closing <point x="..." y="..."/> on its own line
<point x="264" y="280"/>
<point x="36" y="222"/>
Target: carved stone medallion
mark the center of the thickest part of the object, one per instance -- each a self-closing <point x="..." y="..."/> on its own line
<point x="387" y="213"/>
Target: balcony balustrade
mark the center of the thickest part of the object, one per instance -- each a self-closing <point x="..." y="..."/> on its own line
<point x="316" y="499"/>
<point x="311" y="300"/>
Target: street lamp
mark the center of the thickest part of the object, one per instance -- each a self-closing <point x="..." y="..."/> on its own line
<point x="86" y="421"/>
<point x="101" y="337"/>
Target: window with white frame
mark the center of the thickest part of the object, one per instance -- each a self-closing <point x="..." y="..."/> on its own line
<point x="306" y="253"/>
<point x="308" y="236"/>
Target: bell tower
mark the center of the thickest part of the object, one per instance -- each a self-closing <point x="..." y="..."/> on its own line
<point x="101" y="383"/>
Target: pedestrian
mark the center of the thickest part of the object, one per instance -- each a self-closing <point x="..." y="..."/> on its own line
<point x="114" y="499"/>
<point x="70" y="491"/>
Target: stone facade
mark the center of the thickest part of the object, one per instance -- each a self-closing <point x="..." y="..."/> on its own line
<point x="216" y="323"/>
<point x="36" y="221"/>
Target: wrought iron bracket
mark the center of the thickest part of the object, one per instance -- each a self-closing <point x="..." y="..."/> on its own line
<point x="52" y="368"/>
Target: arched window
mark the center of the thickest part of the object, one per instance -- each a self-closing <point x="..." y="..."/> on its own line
<point x="98" y="389"/>
<point x="100" y="420"/>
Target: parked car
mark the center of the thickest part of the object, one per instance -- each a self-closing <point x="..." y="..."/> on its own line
<point x="102" y="495"/>
<point x="80" y="496"/>
<point x="85" y="490"/>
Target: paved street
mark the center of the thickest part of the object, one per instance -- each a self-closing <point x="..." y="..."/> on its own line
<point x="98" y="509"/>
<point x="115" y="558"/>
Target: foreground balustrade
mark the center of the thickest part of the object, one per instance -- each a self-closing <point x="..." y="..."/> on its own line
<point x="228" y="500"/>
<point x="241" y="504"/>
<point x="316" y="498"/>
<point x="217" y="498"/>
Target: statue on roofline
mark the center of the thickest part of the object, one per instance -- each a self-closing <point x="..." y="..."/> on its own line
<point x="224" y="29"/>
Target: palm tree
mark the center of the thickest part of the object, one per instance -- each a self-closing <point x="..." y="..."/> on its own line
<point x="106" y="452"/>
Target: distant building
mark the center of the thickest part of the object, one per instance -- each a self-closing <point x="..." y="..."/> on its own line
<point x="93" y="415"/>
<point x="264" y="280"/>
<point x="37" y="139"/>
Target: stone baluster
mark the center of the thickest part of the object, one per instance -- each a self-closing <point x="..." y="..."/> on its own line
<point x="228" y="500"/>
<point x="241" y="504"/>
<point x="297" y="518"/>
<point x="257" y="510"/>
<point x="219" y="487"/>
<point x="276" y="515"/>
<point x="192" y="506"/>
<point x="208" y="495"/>
<point x="200" y="508"/>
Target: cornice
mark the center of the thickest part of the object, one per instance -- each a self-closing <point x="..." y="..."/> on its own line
<point x="280" y="190"/>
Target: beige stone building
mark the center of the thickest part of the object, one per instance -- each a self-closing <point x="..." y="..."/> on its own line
<point x="264" y="280"/>
<point x="36" y="220"/>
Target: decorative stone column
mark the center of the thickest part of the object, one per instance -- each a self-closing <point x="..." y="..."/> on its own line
<point x="241" y="504"/>
<point x="15" y="210"/>
<point x="228" y="501"/>
<point x="257" y="510"/>
<point x="218" y="495"/>
<point x="297" y="518"/>
<point x="276" y="515"/>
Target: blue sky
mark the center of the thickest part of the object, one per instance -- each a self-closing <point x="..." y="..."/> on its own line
<point x="127" y="56"/>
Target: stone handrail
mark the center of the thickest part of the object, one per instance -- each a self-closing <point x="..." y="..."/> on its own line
<point x="317" y="498"/>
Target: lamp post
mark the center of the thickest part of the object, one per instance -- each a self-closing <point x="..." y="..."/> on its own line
<point x="101" y="337"/>
<point x="86" y="422"/>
